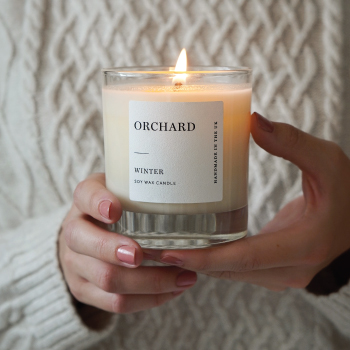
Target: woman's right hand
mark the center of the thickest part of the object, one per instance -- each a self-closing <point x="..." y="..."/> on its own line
<point x="102" y="268"/>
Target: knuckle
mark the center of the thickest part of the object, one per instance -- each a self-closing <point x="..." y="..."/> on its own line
<point x="70" y="231"/>
<point x="201" y="264"/>
<point x="67" y="260"/>
<point x="119" y="305"/>
<point x="157" y="283"/>
<point x="102" y="247"/>
<point x="76" y="291"/>
<point x="245" y="264"/>
<point x="106" y="279"/>
<point x="78" y="191"/>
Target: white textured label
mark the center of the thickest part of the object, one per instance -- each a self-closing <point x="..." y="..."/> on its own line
<point x="176" y="151"/>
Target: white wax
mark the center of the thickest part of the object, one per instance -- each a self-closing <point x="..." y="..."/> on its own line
<point x="236" y="101"/>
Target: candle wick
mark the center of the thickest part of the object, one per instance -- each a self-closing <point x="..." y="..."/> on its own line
<point x="177" y="85"/>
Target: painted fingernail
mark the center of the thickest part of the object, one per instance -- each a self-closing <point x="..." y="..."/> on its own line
<point x="171" y="260"/>
<point x="186" y="278"/>
<point x="105" y="209"/>
<point x="263" y="123"/>
<point x="126" y="254"/>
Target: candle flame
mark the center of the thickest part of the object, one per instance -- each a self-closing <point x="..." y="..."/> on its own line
<point x="181" y="66"/>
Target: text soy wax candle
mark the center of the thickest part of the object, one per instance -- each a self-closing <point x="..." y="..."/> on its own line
<point x="176" y="152"/>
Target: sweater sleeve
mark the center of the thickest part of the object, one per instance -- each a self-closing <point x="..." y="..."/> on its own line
<point x="335" y="307"/>
<point x="36" y="309"/>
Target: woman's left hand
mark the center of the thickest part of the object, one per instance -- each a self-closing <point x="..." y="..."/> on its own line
<point x="304" y="237"/>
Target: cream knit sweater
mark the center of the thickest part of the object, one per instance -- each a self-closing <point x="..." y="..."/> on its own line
<point x="51" y="138"/>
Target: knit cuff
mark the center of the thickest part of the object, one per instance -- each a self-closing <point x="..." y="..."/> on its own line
<point x="336" y="307"/>
<point x="49" y="313"/>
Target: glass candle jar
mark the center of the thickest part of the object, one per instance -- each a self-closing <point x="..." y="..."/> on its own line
<point x="176" y="153"/>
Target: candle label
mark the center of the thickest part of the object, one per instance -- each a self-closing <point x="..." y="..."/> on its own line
<point x="176" y="151"/>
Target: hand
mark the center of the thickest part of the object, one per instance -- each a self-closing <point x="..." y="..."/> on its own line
<point x="305" y="236"/>
<point x="101" y="267"/>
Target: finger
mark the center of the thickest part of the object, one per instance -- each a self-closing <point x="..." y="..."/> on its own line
<point x="288" y="247"/>
<point x="143" y="280"/>
<point x="92" y="198"/>
<point x="85" y="238"/>
<point x="311" y="154"/>
<point x="274" y="279"/>
<point x="89" y="294"/>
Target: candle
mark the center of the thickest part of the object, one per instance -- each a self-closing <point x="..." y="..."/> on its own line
<point x="176" y="153"/>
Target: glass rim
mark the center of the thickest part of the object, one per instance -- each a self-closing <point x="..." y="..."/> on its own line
<point x="166" y="70"/>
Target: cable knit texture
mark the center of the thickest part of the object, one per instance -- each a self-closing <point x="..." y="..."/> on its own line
<point x="51" y="138"/>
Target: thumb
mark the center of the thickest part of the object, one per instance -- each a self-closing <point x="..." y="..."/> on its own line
<point x="311" y="154"/>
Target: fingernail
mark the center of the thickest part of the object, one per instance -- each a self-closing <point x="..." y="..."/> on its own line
<point x="263" y="123"/>
<point x="126" y="254"/>
<point x="105" y="208"/>
<point x="186" y="278"/>
<point x="171" y="260"/>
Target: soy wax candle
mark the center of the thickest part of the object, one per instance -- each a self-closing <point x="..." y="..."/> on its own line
<point x="176" y="152"/>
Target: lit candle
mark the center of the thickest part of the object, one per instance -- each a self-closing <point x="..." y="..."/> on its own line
<point x="176" y="152"/>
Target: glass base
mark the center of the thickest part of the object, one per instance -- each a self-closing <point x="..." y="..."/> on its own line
<point x="178" y="231"/>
